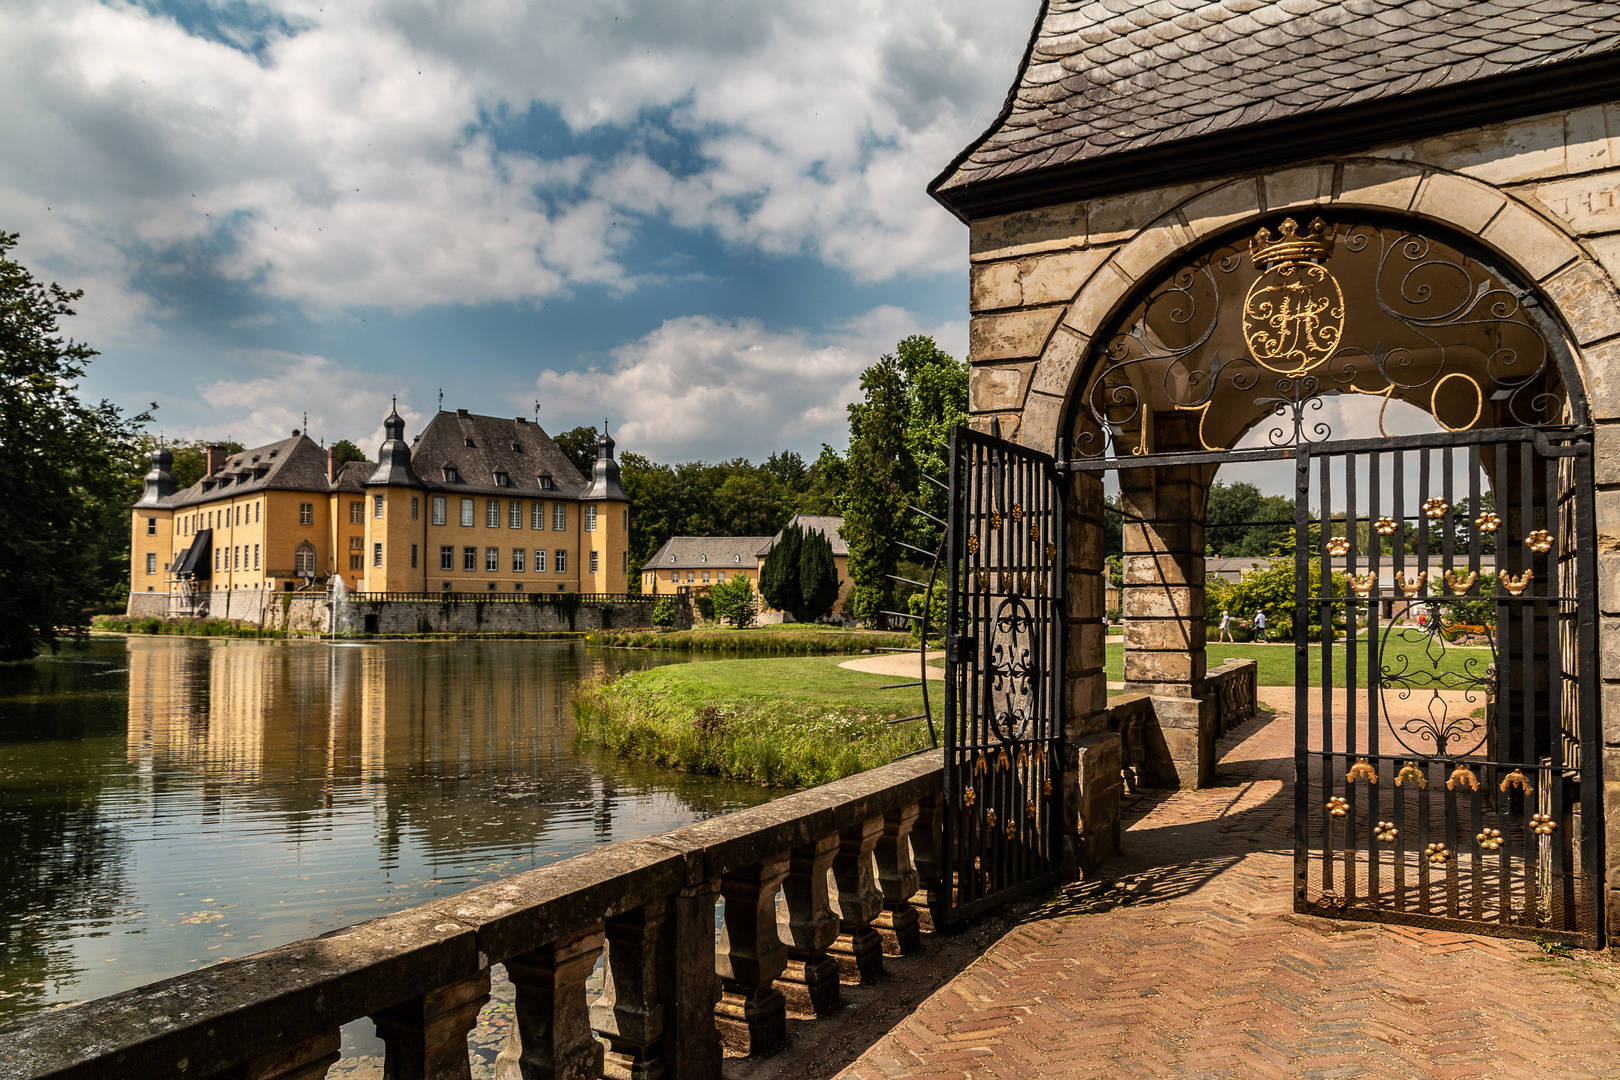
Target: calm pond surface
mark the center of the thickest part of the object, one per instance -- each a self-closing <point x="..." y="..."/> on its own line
<point x="167" y="803"/>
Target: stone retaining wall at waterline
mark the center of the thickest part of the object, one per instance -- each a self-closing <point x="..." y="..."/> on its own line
<point x="419" y="613"/>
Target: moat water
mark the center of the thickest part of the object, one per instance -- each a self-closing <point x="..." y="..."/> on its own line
<point x="168" y="803"/>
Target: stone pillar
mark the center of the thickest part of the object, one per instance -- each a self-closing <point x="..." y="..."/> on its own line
<point x="807" y="923"/>
<point x="752" y="1014"/>
<point x="426" y="1038"/>
<point x="308" y="1060"/>
<point x="552" y="1039"/>
<point x="689" y="985"/>
<point x="897" y="879"/>
<point x="859" y="949"/>
<point x="928" y="854"/>
<point x="1092" y="762"/>
<point x="629" y="1014"/>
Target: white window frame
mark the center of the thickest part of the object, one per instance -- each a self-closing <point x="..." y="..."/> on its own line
<point x="376" y="506"/>
<point x="517" y="560"/>
<point x="539" y="560"/>
<point x="306" y="513"/>
<point x="514" y="514"/>
<point x="415" y="507"/>
<point x="537" y="515"/>
<point x="596" y="561"/>
<point x="447" y="557"/>
<point x="469" y="559"/>
<point x="151" y="562"/>
<point x="559" y="517"/>
<point x="590" y="517"/>
<point x="438" y="510"/>
<point x="492" y="560"/>
<point x="376" y="553"/>
<point x="255" y="556"/>
<point x="561" y="561"/>
<point x="467" y="512"/>
<point x="357" y="511"/>
<point x="492" y="513"/>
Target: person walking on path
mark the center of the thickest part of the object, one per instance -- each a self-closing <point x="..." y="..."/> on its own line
<point x="1260" y="626"/>
<point x="1226" y="626"/>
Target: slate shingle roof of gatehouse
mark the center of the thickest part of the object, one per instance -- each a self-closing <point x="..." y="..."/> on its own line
<point x="708" y="553"/>
<point x="479" y="447"/>
<point x="295" y="464"/>
<point x="1104" y="77"/>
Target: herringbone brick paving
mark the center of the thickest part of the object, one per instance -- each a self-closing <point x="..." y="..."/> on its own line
<point x="1183" y="958"/>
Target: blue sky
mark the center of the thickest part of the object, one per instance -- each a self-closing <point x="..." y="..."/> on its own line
<point x="698" y="219"/>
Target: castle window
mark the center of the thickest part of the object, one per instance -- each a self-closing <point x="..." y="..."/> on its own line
<point x="466" y="513"/>
<point x="377" y="506"/>
<point x="438" y="509"/>
<point x="705" y="577"/>
<point x="469" y="441"/>
<point x="492" y="513"/>
<point x="517" y="560"/>
<point x="690" y="576"/>
<point x="559" y="516"/>
<point x="539" y="560"/>
<point x="674" y="577"/>
<point x="720" y="576"/>
<point x="151" y="526"/>
<point x="502" y="480"/>
<point x="304" y="560"/>
<point x="451" y="476"/>
<point x="562" y="562"/>
<point x="357" y="543"/>
<point x="357" y="560"/>
<point x="469" y="558"/>
<point x="672" y="558"/>
<point x="447" y="559"/>
<point x="257" y="516"/>
<point x="413" y="556"/>
<point x="514" y="514"/>
<point x="596" y="562"/>
<point x="151" y="562"/>
<point x="306" y="513"/>
<point x="492" y="559"/>
<point x="357" y="513"/>
<point x="415" y="503"/>
<point x="255" y="556"/>
<point x="376" y="554"/>
<point x="537" y="515"/>
<point x="545" y="483"/>
<point x="590" y="518"/>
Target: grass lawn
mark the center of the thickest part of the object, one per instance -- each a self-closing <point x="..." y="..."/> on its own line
<point x="784" y="639"/>
<point x="785" y="722"/>
<point x="1277" y="660"/>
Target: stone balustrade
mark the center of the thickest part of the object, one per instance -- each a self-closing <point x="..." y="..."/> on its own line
<point x="1164" y="745"/>
<point x="1234" y="685"/>
<point x="671" y="996"/>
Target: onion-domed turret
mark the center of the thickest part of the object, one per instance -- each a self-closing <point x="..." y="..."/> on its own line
<point x="605" y="474"/>
<point x="394" y="459"/>
<point x="160" y="480"/>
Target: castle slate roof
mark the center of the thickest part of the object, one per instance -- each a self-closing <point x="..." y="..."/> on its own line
<point x="1102" y="79"/>
<point x="825" y="524"/>
<point x="480" y="447"/>
<point x="708" y="553"/>
<point x="294" y="464"/>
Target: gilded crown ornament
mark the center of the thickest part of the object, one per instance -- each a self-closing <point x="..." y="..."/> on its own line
<point x="1361" y="770"/>
<point x="1386" y="831"/>
<point x="1363" y="585"/>
<point x="1385" y="526"/>
<point x="1338" y="546"/>
<point x="1539" y="541"/>
<point x="1293" y="315"/>
<point x="1410" y="585"/>
<point x="1516" y="585"/>
<point x="1490" y="839"/>
<point x="1435" y="509"/>
<point x="1410" y="771"/>
<point x="1460" y="585"/>
<point x="1517" y="779"/>
<point x="1462" y="777"/>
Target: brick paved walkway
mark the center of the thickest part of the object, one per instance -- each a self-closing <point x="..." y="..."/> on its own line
<point x="1183" y="958"/>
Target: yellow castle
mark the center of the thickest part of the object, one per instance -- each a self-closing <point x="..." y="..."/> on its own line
<point x="473" y="503"/>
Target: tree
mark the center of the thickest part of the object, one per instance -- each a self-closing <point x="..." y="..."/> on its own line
<point x="1233" y="517"/>
<point x="347" y="452"/>
<point x="734" y="601"/>
<point x="579" y="446"/>
<point x="881" y="478"/>
<point x="191" y="457"/>
<point x="779" y="576"/>
<point x="818" y="577"/>
<point x="936" y="399"/>
<point x="68" y="472"/>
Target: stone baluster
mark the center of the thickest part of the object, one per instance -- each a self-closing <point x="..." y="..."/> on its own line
<point x="928" y="855"/>
<point x="810" y="983"/>
<point x="629" y="1014"/>
<point x="307" y="1060"/>
<point x="897" y="879"/>
<point x="552" y="1038"/>
<point x="752" y="1014"/>
<point x="859" y="949"/>
<point x="425" y="1038"/>
<point x="689" y="985"/>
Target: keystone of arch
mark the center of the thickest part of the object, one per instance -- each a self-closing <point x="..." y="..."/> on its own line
<point x="1540" y="252"/>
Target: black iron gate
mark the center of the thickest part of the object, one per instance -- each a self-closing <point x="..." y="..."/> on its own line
<point x="1447" y="756"/>
<point x="1004" y="666"/>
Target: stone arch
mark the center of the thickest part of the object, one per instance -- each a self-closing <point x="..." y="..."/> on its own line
<point x="1573" y="285"/>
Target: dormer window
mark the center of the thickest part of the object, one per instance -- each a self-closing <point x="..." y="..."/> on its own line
<point x="516" y="449"/>
<point x="736" y="558"/>
<point x="469" y="442"/>
<point x="703" y="558"/>
<point x="545" y="483"/>
<point x="272" y="453"/>
<point x="672" y="558"/>
<point x="502" y="480"/>
<point x="451" y="476"/>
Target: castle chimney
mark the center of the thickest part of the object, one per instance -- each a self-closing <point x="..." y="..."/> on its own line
<point x="331" y="463"/>
<point x="216" y="459"/>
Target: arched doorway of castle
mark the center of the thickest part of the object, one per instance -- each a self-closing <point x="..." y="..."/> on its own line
<point x="1239" y="331"/>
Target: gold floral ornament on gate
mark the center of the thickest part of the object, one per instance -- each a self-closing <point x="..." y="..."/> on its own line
<point x="1385" y="526"/>
<point x="1362" y="585"/>
<point x="969" y="797"/>
<point x="1435" y="509"/>
<point x="1542" y="825"/>
<point x="1293" y="315"/>
<point x="1488" y="522"/>
<point x="1410" y="771"/>
<point x="1460" y="585"/>
<point x="1539" y="541"/>
<point x="1338" y="546"/>
<point x="1361" y="770"/>
<point x="1517" y="779"/>
<point x="1337" y="807"/>
<point x="1386" y="831"/>
<point x="1438" y="854"/>
<point x="973" y="545"/>
<point x="1490" y="839"/>
<point x="1462" y="777"/>
<point x="1516" y="585"/>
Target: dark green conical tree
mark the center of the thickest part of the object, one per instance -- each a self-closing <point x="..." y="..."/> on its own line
<point x="818" y="577"/>
<point x="779" y="577"/>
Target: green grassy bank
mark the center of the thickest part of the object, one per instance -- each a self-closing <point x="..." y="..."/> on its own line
<point x="787" y="639"/>
<point x="780" y="722"/>
<point x="123" y="624"/>
<point x="1276" y="661"/>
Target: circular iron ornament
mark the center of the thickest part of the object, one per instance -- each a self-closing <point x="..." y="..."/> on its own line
<point x="1012" y="668"/>
<point x="1416" y="710"/>
<point x="1293" y="315"/>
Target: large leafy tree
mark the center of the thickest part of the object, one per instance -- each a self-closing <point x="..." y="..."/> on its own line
<point x="936" y="399"/>
<point x="68" y="472"/>
<point x="579" y="446"/>
<point x="1240" y="521"/>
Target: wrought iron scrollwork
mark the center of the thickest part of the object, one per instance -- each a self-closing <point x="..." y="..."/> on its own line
<point x="1414" y="692"/>
<point x="1012" y="668"/>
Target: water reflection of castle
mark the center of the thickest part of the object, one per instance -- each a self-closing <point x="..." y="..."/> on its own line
<point x="468" y="745"/>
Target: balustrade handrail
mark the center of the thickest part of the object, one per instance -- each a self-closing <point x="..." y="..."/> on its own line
<point x="473" y="597"/>
<point x="291" y="1000"/>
